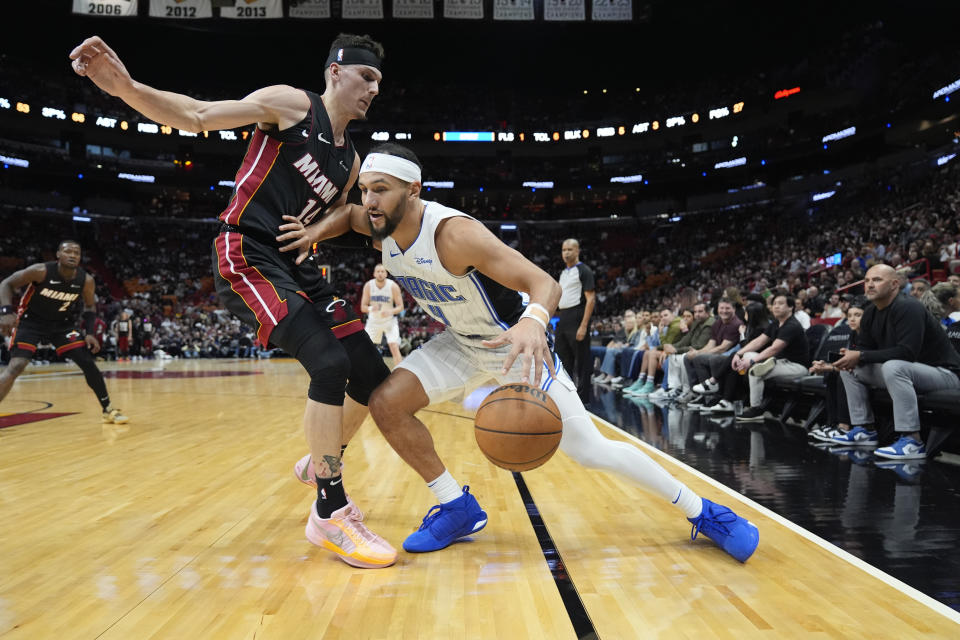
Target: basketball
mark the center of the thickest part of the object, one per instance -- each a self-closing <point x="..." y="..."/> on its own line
<point x="518" y="427"/>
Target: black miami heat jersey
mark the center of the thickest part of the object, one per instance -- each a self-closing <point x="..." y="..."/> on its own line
<point x="55" y="300"/>
<point x="298" y="171"/>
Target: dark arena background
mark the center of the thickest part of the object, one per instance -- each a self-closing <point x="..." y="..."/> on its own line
<point x="698" y="151"/>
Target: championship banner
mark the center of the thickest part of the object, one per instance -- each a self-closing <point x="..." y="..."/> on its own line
<point x="463" y="9"/>
<point x="255" y="9"/>
<point x="106" y="8"/>
<point x="513" y="9"/>
<point x="362" y="9"/>
<point x="612" y="10"/>
<point x="571" y="10"/>
<point x="413" y="9"/>
<point x="310" y="9"/>
<point x="181" y="9"/>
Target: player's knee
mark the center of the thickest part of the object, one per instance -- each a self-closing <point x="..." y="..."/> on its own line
<point x="386" y="401"/>
<point x="328" y="370"/>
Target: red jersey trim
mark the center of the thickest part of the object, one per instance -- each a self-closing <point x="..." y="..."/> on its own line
<point x="250" y="285"/>
<point x="257" y="163"/>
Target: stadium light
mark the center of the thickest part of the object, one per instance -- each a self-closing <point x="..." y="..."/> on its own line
<point x="786" y="93"/>
<point x="947" y="90"/>
<point x="136" y="177"/>
<point x="736" y="162"/>
<point x="17" y="162"/>
<point x="626" y="179"/>
<point x="439" y="184"/>
<point x="839" y="135"/>
<point x="823" y="195"/>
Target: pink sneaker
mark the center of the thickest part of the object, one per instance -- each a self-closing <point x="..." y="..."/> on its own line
<point x="303" y="470"/>
<point x="350" y="539"/>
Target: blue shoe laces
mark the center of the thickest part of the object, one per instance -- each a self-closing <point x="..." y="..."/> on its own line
<point x="716" y="521"/>
<point x="435" y="512"/>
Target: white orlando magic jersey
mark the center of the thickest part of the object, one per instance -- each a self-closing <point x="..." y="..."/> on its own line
<point x="382" y="296"/>
<point x="471" y="305"/>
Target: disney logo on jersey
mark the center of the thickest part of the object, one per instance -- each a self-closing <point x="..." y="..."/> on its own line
<point x="429" y="291"/>
<point x="424" y="261"/>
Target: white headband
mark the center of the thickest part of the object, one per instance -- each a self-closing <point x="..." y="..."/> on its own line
<point x="391" y="165"/>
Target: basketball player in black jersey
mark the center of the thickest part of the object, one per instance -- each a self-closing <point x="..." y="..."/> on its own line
<point x="300" y="163"/>
<point x="55" y="292"/>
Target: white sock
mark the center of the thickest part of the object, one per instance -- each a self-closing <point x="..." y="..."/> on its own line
<point x="445" y="488"/>
<point x="689" y="502"/>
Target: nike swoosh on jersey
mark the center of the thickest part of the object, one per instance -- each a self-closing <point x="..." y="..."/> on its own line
<point x="55" y="282"/>
<point x="322" y="139"/>
<point x="305" y="134"/>
<point x="394" y="255"/>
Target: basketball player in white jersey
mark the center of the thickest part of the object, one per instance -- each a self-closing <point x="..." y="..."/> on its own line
<point x="382" y="301"/>
<point x="465" y="277"/>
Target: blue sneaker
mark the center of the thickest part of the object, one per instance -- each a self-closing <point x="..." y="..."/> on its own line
<point x="903" y="449"/>
<point x="733" y="534"/>
<point x="445" y="523"/>
<point x="858" y="436"/>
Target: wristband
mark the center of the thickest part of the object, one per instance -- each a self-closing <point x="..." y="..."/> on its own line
<point x="527" y="314"/>
<point x="89" y="321"/>
<point x="536" y="305"/>
<point x="7" y="309"/>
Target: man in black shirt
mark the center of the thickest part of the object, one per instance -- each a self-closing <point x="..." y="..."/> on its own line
<point x="784" y="355"/>
<point x="575" y="309"/>
<point x="900" y="348"/>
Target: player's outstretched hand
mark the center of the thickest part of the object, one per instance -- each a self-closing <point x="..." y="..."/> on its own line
<point x="94" y="59"/>
<point x="296" y="237"/>
<point x="529" y="341"/>
<point x="92" y="343"/>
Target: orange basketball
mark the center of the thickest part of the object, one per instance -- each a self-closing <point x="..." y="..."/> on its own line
<point x="518" y="427"/>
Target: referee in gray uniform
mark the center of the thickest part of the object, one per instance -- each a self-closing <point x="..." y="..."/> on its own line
<point x="575" y="309"/>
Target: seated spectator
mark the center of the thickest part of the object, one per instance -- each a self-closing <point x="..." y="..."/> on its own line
<point x="843" y="336"/>
<point x="901" y="348"/>
<point x="784" y="355"/>
<point x="918" y="287"/>
<point x="627" y="336"/>
<point x="814" y="303"/>
<point x="832" y="308"/>
<point x="798" y="312"/>
<point x="948" y="295"/>
<point x="671" y="329"/>
<point x="696" y="337"/>
<point x="702" y="364"/>
<point x="731" y="383"/>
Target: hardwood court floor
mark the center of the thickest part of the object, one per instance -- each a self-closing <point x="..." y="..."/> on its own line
<point x="188" y="523"/>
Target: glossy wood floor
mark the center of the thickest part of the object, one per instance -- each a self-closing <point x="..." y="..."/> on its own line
<point x="188" y="523"/>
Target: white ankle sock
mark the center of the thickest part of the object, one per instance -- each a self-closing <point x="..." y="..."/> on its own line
<point x="445" y="488"/>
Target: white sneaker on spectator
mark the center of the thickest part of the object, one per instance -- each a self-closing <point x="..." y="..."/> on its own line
<point x="763" y="368"/>
<point x="658" y="394"/>
<point x="687" y="396"/>
<point x="706" y="387"/>
<point x="724" y="406"/>
<point x="616" y="379"/>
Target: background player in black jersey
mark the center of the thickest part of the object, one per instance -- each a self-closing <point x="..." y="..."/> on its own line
<point x="55" y="292"/>
<point x="299" y="164"/>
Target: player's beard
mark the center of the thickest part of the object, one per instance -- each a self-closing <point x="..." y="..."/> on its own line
<point x="390" y="222"/>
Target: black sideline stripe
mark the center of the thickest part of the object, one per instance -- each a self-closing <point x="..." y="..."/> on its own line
<point x="582" y="625"/>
